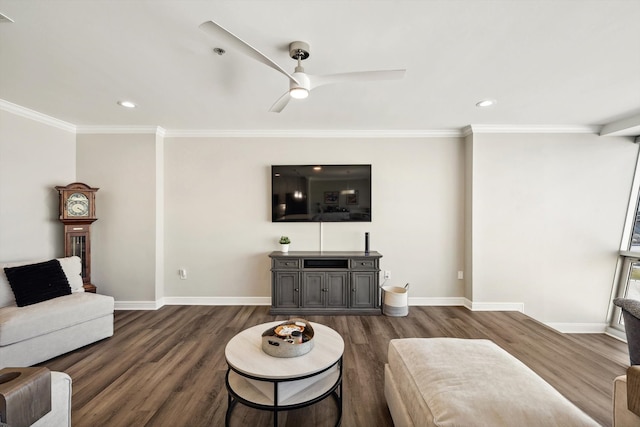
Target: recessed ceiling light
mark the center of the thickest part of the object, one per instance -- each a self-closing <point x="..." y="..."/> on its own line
<point x="127" y="104"/>
<point x="486" y="103"/>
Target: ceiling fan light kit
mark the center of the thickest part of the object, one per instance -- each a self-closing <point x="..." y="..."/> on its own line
<point x="298" y="93"/>
<point x="300" y="83"/>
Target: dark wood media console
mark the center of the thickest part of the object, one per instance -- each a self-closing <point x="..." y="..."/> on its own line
<point x="311" y="282"/>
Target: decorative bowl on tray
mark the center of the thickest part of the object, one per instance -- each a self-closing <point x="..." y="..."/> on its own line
<point x="289" y="339"/>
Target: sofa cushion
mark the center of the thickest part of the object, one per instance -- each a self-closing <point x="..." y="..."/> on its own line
<point x="34" y="283"/>
<point x="21" y="323"/>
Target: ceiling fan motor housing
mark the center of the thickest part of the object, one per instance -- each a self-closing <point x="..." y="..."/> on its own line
<point x="300" y="91"/>
<point x="299" y="50"/>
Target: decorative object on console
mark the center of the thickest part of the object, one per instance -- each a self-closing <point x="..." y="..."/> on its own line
<point x="77" y="212"/>
<point x="366" y="243"/>
<point x="292" y="338"/>
<point x="284" y="242"/>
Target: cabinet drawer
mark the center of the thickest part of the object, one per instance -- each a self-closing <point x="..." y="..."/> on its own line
<point x="293" y="263"/>
<point x="364" y="264"/>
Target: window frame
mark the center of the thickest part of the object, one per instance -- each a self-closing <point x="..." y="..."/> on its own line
<point x="626" y="258"/>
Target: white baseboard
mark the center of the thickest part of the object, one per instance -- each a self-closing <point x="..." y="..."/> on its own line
<point x="494" y="306"/>
<point x="615" y="333"/>
<point x="217" y="300"/>
<point x="578" y="328"/>
<point x="138" y="305"/>
<point x="451" y="301"/>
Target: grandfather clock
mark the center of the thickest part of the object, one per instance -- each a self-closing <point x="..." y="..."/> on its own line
<point x="77" y="212"/>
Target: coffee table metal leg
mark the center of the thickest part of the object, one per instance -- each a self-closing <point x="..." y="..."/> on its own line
<point x="275" y="404"/>
<point x="230" y="404"/>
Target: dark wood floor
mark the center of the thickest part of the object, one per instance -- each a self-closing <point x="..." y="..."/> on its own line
<point x="167" y="367"/>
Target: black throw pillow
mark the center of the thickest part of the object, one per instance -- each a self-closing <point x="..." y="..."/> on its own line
<point x="39" y="282"/>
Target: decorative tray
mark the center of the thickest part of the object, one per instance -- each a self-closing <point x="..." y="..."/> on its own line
<point x="289" y="339"/>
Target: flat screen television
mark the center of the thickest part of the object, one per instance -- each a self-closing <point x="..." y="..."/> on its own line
<point x="321" y="193"/>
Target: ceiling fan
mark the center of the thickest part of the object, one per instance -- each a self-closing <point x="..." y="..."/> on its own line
<point x="300" y="83"/>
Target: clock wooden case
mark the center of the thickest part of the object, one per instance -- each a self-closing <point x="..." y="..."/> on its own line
<point x="77" y="212"/>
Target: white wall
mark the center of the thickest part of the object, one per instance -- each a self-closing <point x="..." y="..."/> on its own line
<point x="218" y="225"/>
<point x="123" y="244"/>
<point x="34" y="158"/>
<point x="548" y="213"/>
<point x="544" y="213"/>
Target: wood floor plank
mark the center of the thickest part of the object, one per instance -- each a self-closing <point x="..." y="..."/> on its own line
<point x="167" y="367"/>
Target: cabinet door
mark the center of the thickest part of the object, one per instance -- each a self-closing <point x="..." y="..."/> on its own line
<point x="364" y="290"/>
<point x="286" y="289"/>
<point x="337" y="289"/>
<point x="313" y="289"/>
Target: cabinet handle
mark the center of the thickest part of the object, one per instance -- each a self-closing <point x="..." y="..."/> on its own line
<point x="353" y="289"/>
<point x="296" y="289"/>
<point x="363" y="263"/>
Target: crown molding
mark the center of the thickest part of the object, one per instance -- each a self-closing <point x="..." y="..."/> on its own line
<point x="36" y="116"/>
<point x="92" y="130"/>
<point x="476" y="129"/>
<point x="628" y="126"/>
<point x="313" y="133"/>
<point x="300" y="133"/>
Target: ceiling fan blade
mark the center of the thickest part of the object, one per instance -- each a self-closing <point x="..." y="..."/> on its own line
<point x="280" y="103"/>
<point x="236" y="42"/>
<point x="357" y="76"/>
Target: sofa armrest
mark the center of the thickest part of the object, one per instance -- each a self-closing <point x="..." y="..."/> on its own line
<point x="622" y="416"/>
<point x="633" y="389"/>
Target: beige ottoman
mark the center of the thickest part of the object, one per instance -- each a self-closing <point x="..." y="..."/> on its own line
<point x="468" y="382"/>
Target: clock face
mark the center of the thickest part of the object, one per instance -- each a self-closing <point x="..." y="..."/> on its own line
<point x="78" y="205"/>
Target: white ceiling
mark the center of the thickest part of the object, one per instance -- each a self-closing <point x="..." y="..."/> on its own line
<point x="547" y="63"/>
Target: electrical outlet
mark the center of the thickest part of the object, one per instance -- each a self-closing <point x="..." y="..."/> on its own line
<point x="460" y="275"/>
<point x="387" y="274"/>
<point x="183" y="273"/>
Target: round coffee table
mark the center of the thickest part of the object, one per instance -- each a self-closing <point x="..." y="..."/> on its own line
<point x="276" y="384"/>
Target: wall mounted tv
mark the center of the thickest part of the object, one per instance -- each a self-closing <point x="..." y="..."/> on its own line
<point x="321" y="193"/>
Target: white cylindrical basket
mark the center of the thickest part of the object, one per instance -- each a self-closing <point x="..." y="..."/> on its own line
<point x="395" y="301"/>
